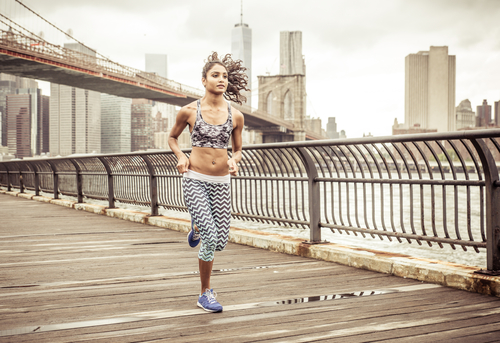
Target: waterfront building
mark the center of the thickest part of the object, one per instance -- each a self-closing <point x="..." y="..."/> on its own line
<point x="158" y="64"/>
<point x="142" y="135"/>
<point x="430" y="89"/>
<point x="19" y="125"/>
<point x="465" y="117"/>
<point x="44" y="125"/>
<point x="75" y="120"/>
<point x="483" y="116"/>
<point x="497" y="112"/>
<point x="75" y="115"/>
<point x="116" y="117"/>
<point x="241" y="49"/>
<point x="331" y="129"/>
<point x="9" y="84"/>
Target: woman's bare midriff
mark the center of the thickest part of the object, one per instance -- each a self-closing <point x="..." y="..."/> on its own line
<point x="201" y="161"/>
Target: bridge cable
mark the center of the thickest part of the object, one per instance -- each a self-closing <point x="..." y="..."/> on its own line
<point x="48" y="22"/>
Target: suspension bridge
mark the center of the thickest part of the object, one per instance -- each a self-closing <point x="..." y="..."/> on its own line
<point x="27" y="54"/>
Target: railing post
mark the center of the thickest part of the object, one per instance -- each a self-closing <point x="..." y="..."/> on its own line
<point x="55" y="176"/>
<point x="79" y="190"/>
<point x="9" y="186"/>
<point x="111" y="191"/>
<point x="36" y="177"/>
<point x="153" y="190"/>
<point x="492" y="205"/>
<point x="21" y="182"/>
<point x="314" y="196"/>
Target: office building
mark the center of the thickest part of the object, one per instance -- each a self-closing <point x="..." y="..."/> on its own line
<point x="241" y="49"/>
<point x="157" y="63"/>
<point x="9" y="84"/>
<point x="142" y="135"/>
<point x="75" y="120"/>
<point x="483" y="116"/>
<point x="497" y="113"/>
<point x="116" y="117"/>
<point x="75" y="116"/>
<point x="331" y="129"/>
<point x="44" y="125"/>
<point x="465" y="116"/>
<point x="430" y="90"/>
<point x="19" y="125"/>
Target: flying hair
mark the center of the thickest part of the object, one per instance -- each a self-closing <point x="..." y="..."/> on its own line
<point x="237" y="79"/>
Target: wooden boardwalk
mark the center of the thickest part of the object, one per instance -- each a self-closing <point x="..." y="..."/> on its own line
<point x="72" y="276"/>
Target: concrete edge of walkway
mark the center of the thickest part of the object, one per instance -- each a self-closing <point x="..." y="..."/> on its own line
<point x="433" y="271"/>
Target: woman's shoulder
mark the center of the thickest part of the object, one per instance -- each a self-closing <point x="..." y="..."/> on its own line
<point x="189" y="109"/>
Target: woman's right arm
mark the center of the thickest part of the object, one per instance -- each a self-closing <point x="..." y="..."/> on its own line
<point x="181" y="121"/>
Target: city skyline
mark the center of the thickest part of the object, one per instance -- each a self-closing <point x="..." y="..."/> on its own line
<point x="354" y="50"/>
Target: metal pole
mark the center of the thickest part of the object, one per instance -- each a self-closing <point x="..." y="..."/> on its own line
<point x="153" y="189"/>
<point x="111" y="192"/>
<point x="314" y="196"/>
<point x="37" y="178"/>
<point x="21" y="182"/>
<point x="55" y="176"/>
<point x="79" y="190"/>
<point x="492" y="206"/>
<point x="9" y="186"/>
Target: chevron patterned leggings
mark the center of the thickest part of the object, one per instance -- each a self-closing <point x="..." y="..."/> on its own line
<point x="210" y="207"/>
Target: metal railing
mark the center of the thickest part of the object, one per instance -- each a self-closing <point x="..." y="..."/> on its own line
<point x="426" y="188"/>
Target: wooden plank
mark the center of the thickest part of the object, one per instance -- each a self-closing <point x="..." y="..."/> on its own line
<point x="110" y="280"/>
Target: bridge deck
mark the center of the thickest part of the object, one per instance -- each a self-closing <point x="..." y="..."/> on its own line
<point x="71" y="276"/>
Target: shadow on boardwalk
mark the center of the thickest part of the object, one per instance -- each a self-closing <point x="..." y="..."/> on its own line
<point x="72" y="276"/>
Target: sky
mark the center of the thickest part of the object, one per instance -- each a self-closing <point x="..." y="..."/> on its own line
<point x="354" y="49"/>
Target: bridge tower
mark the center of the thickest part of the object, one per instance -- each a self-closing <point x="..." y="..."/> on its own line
<point x="284" y="95"/>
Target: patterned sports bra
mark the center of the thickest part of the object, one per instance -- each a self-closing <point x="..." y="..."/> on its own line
<point x="206" y="135"/>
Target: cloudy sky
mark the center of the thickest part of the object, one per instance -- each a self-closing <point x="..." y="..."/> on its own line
<point x="354" y="49"/>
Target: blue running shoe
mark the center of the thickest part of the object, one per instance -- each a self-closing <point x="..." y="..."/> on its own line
<point x="193" y="236"/>
<point x="207" y="301"/>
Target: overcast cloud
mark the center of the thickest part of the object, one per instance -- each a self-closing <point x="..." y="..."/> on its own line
<point x="354" y="49"/>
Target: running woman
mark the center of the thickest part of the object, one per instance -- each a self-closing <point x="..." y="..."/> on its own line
<point x="207" y="172"/>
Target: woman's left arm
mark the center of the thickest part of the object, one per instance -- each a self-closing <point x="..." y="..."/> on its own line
<point x="236" y="142"/>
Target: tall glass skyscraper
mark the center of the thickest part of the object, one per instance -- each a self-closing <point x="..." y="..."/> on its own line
<point x="115" y="124"/>
<point x="75" y="120"/>
<point x="75" y="116"/>
<point x="157" y="63"/>
<point x="241" y="49"/>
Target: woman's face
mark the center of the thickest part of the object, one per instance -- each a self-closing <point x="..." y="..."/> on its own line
<point x="216" y="80"/>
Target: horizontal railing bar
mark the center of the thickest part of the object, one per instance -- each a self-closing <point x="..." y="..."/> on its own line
<point x="406" y="235"/>
<point x="271" y="219"/>
<point x="405" y="181"/>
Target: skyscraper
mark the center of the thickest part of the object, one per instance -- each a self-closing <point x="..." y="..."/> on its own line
<point x="483" y="116"/>
<point x="116" y="120"/>
<point x="9" y="84"/>
<point x="331" y="128"/>
<point x="291" y="59"/>
<point x="241" y="49"/>
<point x="75" y="120"/>
<point x="19" y="121"/>
<point x="430" y="89"/>
<point x="142" y="136"/>
<point x="75" y="116"/>
<point x="157" y="63"/>
<point x="497" y="112"/>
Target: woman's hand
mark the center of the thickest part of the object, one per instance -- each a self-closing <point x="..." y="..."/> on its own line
<point x="233" y="167"/>
<point x="183" y="164"/>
